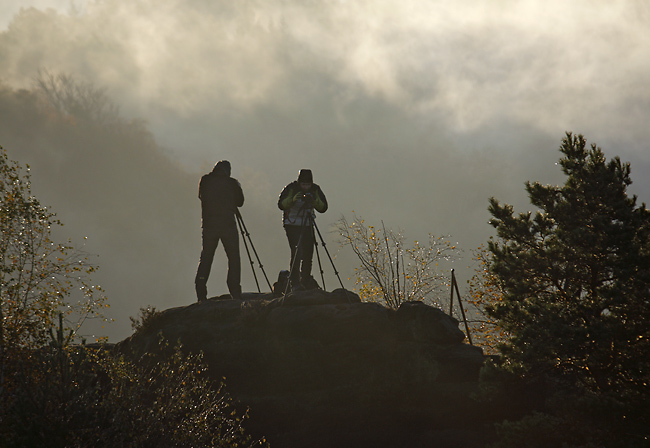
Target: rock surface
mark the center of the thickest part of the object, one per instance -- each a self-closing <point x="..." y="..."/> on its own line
<point x="323" y="369"/>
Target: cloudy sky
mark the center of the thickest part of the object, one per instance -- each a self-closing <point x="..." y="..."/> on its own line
<point x="413" y="112"/>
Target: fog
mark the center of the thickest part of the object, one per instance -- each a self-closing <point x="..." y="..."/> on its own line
<point x="410" y="112"/>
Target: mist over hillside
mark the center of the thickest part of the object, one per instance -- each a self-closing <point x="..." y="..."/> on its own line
<point x="413" y="113"/>
<point x="109" y="182"/>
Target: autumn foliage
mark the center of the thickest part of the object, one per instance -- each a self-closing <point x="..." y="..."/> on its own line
<point x="39" y="278"/>
<point x="485" y="290"/>
<point x="391" y="271"/>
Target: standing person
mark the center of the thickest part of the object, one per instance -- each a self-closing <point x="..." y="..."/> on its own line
<point x="220" y="196"/>
<point x="298" y="201"/>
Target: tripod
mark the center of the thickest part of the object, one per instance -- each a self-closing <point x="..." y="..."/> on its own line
<point x="245" y="234"/>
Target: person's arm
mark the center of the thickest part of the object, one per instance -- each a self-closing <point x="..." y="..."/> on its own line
<point x="287" y="198"/>
<point x="238" y="193"/>
<point x="320" y="201"/>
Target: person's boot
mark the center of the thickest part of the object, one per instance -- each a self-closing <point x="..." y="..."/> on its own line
<point x="294" y="282"/>
<point x="310" y="282"/>
<point x="235" y="293"/>
<point x="296" y="285"/>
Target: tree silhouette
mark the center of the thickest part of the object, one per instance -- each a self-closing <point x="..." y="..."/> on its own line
<point x="576" y="300"/>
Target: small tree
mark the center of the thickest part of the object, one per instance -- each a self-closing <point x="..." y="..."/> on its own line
<point x="390" y="272"/>
<point x="38" y="277"/>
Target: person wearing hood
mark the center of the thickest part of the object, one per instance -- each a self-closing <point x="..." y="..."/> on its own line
<point x="298" y="200"/>
<point x="220" y="197"/>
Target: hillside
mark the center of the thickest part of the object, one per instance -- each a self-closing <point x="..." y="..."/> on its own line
<point x="321" y="369"/>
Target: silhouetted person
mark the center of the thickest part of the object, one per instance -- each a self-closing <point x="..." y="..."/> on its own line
<point x="298" y="200"/>
<point x="220" y="196"/>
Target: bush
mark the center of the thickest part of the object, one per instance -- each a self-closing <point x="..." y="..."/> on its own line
<point x="391" y="272"/>
<point x="80" y="396"/>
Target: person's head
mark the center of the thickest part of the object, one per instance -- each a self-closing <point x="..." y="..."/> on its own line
<point x="305" y="179"/>
<point x="222" y="167"/>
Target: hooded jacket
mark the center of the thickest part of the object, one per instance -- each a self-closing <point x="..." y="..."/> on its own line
<point x="296" y="211"/>
<point x="220" y="196"/>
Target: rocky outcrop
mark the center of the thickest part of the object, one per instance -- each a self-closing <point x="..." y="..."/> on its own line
<point x="323" y="369"/>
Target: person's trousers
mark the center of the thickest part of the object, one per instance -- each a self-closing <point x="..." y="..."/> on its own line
<point x="301" y="242"/>
<point x="230" y="241"/>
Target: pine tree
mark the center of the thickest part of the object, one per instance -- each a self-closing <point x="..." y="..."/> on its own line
<point x="576" y="276"/>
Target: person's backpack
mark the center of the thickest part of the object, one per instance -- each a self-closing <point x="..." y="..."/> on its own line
<point x="280" y="286"/>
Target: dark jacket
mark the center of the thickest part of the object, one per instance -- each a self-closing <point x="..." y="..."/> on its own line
<point x="295" y="211"/>
<point x="220" y="196"/>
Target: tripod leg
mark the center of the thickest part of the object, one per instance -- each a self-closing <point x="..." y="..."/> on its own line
<point x="248" y="235"/>
<point x="268" y="283"/>
<point x="241" y="228"/>
<point x="320" y="266"/>
<point x="328" y="254"/>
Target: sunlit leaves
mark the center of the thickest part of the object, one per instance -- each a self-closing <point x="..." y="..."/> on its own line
<point x="485" y="292"/>
<point x="392" y="272"/>
<point x="38" y="277"/>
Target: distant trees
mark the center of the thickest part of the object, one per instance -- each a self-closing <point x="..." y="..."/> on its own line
<point x="82" y="102"/>
<point x="100" y="176"/>
<point x="390" y="271"/>
<point x="575" y="277"/>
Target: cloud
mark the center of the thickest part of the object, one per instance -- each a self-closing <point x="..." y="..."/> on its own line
<point x="463" y="60"/>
